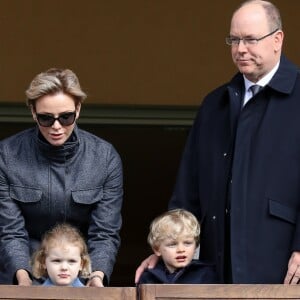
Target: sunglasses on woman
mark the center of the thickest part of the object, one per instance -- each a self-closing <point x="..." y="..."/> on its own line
<point x="65" y="119"/>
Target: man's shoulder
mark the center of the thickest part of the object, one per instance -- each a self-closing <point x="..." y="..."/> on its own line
<point x="221" y="92"/>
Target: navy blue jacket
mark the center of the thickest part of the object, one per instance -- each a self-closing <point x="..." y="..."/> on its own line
<point x="79" y="182"/>
<point x="252" y="155"/>
<point x="195" y="273"/>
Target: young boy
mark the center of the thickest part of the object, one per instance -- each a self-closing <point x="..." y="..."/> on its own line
<point x="174" y="237"/>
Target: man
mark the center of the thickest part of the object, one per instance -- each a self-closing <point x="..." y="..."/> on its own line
<point x="240" y="170"/>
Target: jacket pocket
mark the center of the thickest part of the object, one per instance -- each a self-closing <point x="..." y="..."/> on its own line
<point x="282" y="211"/>
<point x="25" y="194"/>
<point x="88" y="197"/>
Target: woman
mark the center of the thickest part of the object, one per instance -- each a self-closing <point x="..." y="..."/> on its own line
<point x="55" y="173"/>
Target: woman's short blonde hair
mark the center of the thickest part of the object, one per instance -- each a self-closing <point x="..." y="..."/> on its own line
<point x="171" y="224"/>
<point x="58" y="235"/>
<point x="54" y="81"/>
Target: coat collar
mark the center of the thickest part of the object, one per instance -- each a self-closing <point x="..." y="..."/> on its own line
<point x="161" y="272"/>
<point x="58" y="153"/>
<point x="283" y="80"/>
<point x="75" y="283"/>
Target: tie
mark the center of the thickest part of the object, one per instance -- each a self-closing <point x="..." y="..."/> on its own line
<point x="255" y="89"/>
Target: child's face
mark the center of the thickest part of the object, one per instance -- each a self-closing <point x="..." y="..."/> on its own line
<point x="63" y="264"/>
<point x="176" y="253"/>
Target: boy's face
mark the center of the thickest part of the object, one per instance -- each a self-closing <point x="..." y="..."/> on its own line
<point x="63" y="264"/>
<point x="176" y="253"/>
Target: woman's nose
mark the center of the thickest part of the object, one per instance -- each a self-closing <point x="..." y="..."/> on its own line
<point x="56" y="124"/>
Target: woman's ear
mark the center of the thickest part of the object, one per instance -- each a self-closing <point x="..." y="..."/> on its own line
<point x="33" y="112"/>
<point x="78" y="108"/>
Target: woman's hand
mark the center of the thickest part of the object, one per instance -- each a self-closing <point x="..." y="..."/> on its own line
<point x="23" y="278"/>
<point x="96" y="279"/>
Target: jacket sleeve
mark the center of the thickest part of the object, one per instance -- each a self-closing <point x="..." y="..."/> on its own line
<point x="14" y="243"/>
<point x="186" y="191"/>
<point x="103" y="234"/>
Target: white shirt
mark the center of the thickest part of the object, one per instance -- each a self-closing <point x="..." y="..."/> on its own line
<point x="262" y="82"/>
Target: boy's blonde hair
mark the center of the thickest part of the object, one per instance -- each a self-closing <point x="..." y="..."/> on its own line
<point x="171" y="224"/>
<point x="59" y="235"/>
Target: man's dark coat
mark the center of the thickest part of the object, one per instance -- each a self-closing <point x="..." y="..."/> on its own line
<point x="244" y="165"/>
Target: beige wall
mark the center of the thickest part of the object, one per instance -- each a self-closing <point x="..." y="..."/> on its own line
<point x="125" y="52"/>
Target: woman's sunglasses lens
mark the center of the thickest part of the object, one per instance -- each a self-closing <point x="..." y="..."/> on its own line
<point x="45" y="120"/>
<point x="64" y="119"/>
<point x="67" y="119"/>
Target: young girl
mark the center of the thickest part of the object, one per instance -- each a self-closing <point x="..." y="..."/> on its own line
<point x="62" y="257"/>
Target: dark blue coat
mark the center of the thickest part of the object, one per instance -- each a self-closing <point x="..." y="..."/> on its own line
<point x="196" y="272"/>
<point x="262" y="177"/>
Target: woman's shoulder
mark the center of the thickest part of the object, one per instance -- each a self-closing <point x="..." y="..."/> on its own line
<point x="89" y="137"/>
<point x="18" y="138"/>
<point x="95" y="142"/>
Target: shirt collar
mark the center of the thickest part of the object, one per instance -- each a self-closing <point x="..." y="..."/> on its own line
<point x="263" y="81"/>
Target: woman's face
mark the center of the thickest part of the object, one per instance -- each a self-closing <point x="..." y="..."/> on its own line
<point x="57" y="105"/>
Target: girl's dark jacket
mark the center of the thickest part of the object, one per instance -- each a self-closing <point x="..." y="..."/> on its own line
<point x="79" y="182"/>
<point x="194" y="273"/>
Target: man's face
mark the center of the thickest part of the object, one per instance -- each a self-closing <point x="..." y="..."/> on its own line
<point x="254" y="60"/>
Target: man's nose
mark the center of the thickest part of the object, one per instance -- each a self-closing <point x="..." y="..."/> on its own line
<point x="242" y="45"/>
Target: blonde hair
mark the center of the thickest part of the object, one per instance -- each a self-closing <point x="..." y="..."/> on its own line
<point x="171" y="224"/>
<point x="271" y="11"/>
<point x="54" y="81"/>
<point x="60" y="234"/>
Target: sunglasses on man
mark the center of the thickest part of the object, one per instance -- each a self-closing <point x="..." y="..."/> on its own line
<point x="65" y="119"/>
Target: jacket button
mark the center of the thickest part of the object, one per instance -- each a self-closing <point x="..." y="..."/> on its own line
<point x="224" y="154"/>
<point x="214" y="217"/>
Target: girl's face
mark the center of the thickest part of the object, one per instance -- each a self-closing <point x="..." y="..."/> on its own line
<point x="57" y="105"/>
<point x="63" y="264"/>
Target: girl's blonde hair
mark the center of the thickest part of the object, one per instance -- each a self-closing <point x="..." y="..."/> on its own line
<point x="171" y="224"/>
<point x="58" y="235"/>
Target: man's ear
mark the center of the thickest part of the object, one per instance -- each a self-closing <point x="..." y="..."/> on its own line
<point x="279" y="36"/>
